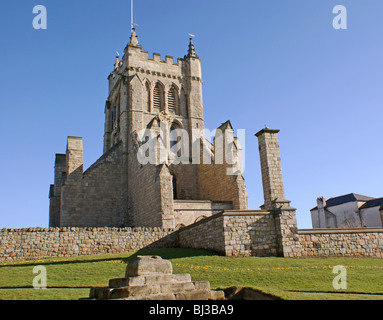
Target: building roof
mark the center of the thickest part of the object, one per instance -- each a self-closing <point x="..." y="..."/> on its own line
<point x="373" y="203"/>
<point x="345" y="199"/>
<point x="225" y="126"/>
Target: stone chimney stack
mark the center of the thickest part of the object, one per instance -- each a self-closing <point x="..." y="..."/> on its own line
<point x="271" y="167"/>
<point x="273" y="191"/>
<point x="321" y="203"/>
<point x="74" y="157"/>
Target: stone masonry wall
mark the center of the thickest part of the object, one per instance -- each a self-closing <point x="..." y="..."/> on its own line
<point x="230" y="233"/>
<point x="367" y="242"/>
<point x="250" y="233"/>
<point x="206" y="234"/>
<point x="216" y="185"/>
<point x="94" y="198"/>
<point x="233" y="233"/>
<point x="258" y="233"/>
<point x="34" y="243"/>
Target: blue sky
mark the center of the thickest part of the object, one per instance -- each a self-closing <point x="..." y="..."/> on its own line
<point x="265" y="62"/>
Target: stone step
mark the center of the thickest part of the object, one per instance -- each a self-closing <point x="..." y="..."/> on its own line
<point x="186" y="295"/>
<point x="148" y="290"/>
<point x="193" y="295"/>
<point x="217" y="295"/>
<point x="153" y="297"/>
<point x="189" y="295"/>
<point x="100" y="293"/>
<point x="149" y="279"/>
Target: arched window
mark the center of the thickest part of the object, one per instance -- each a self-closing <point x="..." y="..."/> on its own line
<point x="147" y="97"/>
<point x="158" y="97"/>
<point x="117" y="104"/>
<point x="173" y="137"/>
<point x="184" y="104"/>
<point x="174" y="182"/>
<point x="173" y="104"/>
<point x="174" y="140"/>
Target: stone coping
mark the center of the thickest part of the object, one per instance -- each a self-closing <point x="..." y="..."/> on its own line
<point x="245" y="212"/>
<point x="89" y="229"/>
<point x="266" y="130"/>
<point x="333" y="231"/>
<point x="101" y="159"/>
<point x="227" y="213"/>
<point x="200" y="201"/>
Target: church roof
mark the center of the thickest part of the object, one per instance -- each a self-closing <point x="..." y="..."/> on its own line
<point x="225" y="126"/>
<point x="351" y="197"/>
<point x="373" y="203"/>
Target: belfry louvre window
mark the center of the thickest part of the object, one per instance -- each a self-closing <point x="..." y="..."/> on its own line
<point x="158" y="101"/>
<point x="147" y="97"/>
<point x="172" y="100"/>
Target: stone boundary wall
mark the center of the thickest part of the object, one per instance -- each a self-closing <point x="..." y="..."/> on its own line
<point x="366" y="242"/>
<point x="253" y="233"/>
<point x="233" y="233"/>
<point x="206" y="234"/>
<point x="34" y="243"/>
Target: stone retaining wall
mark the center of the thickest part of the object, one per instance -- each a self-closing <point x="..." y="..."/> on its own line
<point x="366" y="242"/>
<point x="233" y="233"/>
<point x="255" y="233"/>
<point x="33" y="243"/>
<point x="206" y="234"/>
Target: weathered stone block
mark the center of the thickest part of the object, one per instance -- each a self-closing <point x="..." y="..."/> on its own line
<point x="100" y="293"/>
<point x="197" y="295"/>
<point x="161" y="296"/>
<point x="176" y="287"/>
<point x="217" y="295"/>
<point x="148" y="265"/>
<point x="137" y="291"/>
<point x="127" y="282"/>
<point x="202" y="285"/>
<point x="167" y="278"/>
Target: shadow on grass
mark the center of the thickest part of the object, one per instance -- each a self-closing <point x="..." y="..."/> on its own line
<point x="339" y="292"/>
<point x="56" y="287"/>
<point x="169" y="253"/>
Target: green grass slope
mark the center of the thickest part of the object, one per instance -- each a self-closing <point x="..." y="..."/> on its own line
<point x="295" y="279"/>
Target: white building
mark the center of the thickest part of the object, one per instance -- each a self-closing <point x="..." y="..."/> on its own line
<point x="348" y="211"/>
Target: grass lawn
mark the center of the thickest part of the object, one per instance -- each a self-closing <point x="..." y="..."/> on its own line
<point x="296" y="279"/>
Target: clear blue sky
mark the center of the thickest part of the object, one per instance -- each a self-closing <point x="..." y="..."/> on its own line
<point x="265" y="62"/>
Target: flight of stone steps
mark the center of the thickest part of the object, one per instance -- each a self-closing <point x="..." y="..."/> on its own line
<point x="152" y="278"/>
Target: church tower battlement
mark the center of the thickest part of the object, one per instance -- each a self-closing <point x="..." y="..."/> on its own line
<point x="118" y="190"/>
<point x="160" y="86"/>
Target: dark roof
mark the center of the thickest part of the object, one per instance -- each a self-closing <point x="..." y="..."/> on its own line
<point x="344" y="199"/>
<point x="373" y="203"/>
<point x="225" y="125"/>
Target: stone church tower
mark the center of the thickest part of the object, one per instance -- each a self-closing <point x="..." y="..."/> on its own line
<point x="118" y="190"/>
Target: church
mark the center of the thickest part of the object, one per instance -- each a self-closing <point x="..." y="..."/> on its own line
<point x="118" y="190"/>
